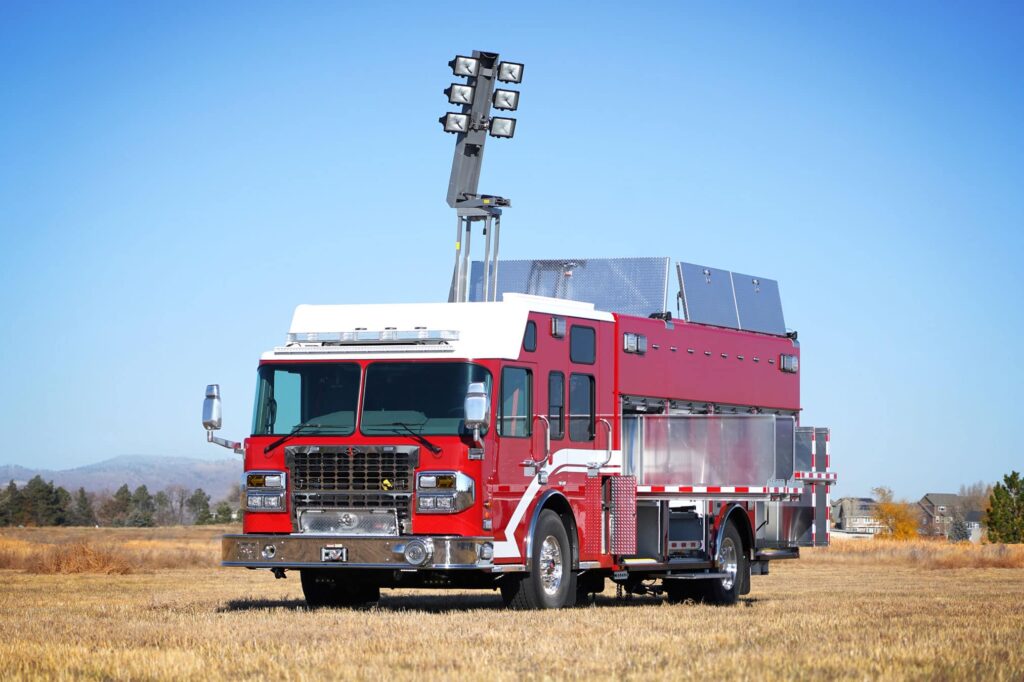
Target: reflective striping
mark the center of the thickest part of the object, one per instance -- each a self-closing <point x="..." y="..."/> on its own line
<point x="718" y="490"/>
<point x="815" y="476"/>
<point x="562" y="460"/>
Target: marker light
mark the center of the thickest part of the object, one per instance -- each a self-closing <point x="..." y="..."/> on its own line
<point x="510" y="72"/>
<point x="466" y="66"/>
<point x="460" y="94"/>
<point x="502" y="127"/>
<point x="507" y="100"/>
<point x="455" y="123"/>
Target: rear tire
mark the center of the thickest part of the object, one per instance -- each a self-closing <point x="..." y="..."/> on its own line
<point x="551" y="582"/>
<point x="331" y="587"/>
<point x="733" y="560"/>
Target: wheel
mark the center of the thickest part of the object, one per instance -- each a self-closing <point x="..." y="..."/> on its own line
<point x="733" y="561"/>
<point x="328" y="587"/>
<point x="550" y="582"/>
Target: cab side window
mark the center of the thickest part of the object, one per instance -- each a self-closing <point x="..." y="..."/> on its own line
<point x="516" y="402"/>
<point x="530" y="337"/>
<point x="582" y="344"/>
<point x="581" y="407"/>
<point x="556" y="404"/>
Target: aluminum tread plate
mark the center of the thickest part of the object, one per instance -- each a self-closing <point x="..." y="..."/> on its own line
<point x="631" y="286"/>
<point x="592" y="521"/>
<point x="623" y="515"/>
<point x="758" y="304"/>
<point x="707" y="295"/>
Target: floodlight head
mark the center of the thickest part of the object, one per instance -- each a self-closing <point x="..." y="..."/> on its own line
<point x="455" y="123"/>
<point x="465" y="66"/>
<point x="502" y="127"/>
<point x="507" y="100"/>
<point x="459" y="93"/>
<point x="510" y="72"/>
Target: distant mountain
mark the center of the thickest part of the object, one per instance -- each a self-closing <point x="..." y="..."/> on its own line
<point x="214" y="476"/>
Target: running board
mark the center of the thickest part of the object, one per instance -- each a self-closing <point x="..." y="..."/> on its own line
<point x="695" y="576"/>
<point x="773" y="554"/>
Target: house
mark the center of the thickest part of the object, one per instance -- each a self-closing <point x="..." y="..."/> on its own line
<point x="938" y="510"/>
<point x="855" y="515"/>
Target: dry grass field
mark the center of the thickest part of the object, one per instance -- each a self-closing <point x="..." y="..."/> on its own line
<point x="151" y="604"/>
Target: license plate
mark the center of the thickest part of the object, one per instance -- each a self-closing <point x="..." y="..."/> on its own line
<point x="334" y="553"/>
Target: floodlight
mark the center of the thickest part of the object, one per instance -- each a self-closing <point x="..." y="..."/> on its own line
<point x="465" y="66"/>
<point x="507" y="100"/>
<point x="460" y="94"/>
<point x="502" y="127"/>
<point x="455" y="123"/>
<point x="510" y="72"/>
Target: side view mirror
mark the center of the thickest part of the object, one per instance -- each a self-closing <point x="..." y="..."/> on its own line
<point x="478" y="408"/>
<point x="211" y="408"/>
<point x="211" y="420"/>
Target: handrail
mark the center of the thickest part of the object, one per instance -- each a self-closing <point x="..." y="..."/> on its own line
<point x="547" y="440"/>
<point x="608" y="455"/>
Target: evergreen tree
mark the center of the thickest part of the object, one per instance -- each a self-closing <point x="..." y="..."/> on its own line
<point x="114" y="512"/>
<point x="82" y="513"/>
<point x="64" y="505"/>
<point x="163" y="513"/>
<point x="9" y="502"/>
<point x="142" y="508"/>
<point x="41" y="504"/>
<point x="958" y="530"/>
<point x="223" y="513"/>
<point x="199" y="505"/>
<point x="1005" y="516"/>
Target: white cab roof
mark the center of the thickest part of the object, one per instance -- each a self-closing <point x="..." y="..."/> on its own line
<point x="483" y="330"/>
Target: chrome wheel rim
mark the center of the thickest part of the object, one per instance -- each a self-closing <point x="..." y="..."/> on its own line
<point x="728" y="562"/>
<point x="550" y="565"/>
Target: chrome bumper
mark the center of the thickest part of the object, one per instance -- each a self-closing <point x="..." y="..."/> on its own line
<point x="304" y="551"/>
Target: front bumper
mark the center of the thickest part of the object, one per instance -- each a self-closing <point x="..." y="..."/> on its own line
<point x="305" y="551"/>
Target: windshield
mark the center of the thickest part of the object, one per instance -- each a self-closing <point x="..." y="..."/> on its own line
<point x="427" y="397"/>
<point x="322" y="395"/>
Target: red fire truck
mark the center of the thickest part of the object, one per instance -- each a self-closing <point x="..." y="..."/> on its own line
<point x="553" y="426"/>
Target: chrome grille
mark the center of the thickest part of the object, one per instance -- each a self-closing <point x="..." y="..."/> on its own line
<point x="357" y="477"/>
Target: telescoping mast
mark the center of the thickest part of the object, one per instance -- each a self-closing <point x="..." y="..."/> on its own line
<point x="556" y="424"/>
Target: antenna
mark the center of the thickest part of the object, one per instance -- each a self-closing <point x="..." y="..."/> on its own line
<point x="472" y="125"/>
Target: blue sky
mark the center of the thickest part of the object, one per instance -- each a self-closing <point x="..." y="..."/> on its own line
<point x="176" y="177"/>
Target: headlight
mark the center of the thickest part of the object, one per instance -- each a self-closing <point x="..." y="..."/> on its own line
<point x="264" y="491"/>
<point x="444" y="492"/>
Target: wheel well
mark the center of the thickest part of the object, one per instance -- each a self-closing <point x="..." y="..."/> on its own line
<point x="738" y="515"/>
<point x="557" y="503"/>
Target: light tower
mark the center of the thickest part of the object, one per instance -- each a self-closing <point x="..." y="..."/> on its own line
<point x="472" y="125"/>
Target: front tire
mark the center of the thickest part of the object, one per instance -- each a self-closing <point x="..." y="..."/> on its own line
<point x="331" y="587"/>
<point x="551" y="582"/>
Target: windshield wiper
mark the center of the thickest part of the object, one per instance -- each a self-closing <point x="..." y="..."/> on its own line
<point x="420" y="438"/>
<point x="299" y="428"/>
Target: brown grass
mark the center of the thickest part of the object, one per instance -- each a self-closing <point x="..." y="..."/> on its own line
<point x="840" y="613"/>
<point x="932" y="554"/>
<point x="109" y="550"/>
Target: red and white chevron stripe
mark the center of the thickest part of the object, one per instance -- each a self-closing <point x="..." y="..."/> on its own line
<point x="718" y="490"/>
<point x="815" y="476"/>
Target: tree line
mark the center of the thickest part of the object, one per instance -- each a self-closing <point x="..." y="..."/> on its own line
<point x="1001" y="507"/>
<point x="40" y="503"/>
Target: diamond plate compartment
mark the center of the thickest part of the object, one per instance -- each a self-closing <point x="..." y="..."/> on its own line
<point x="623" y="514"/>
<point x="632" y="286"/>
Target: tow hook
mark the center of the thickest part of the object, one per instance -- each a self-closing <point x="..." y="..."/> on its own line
<point x="278" y="573"/>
